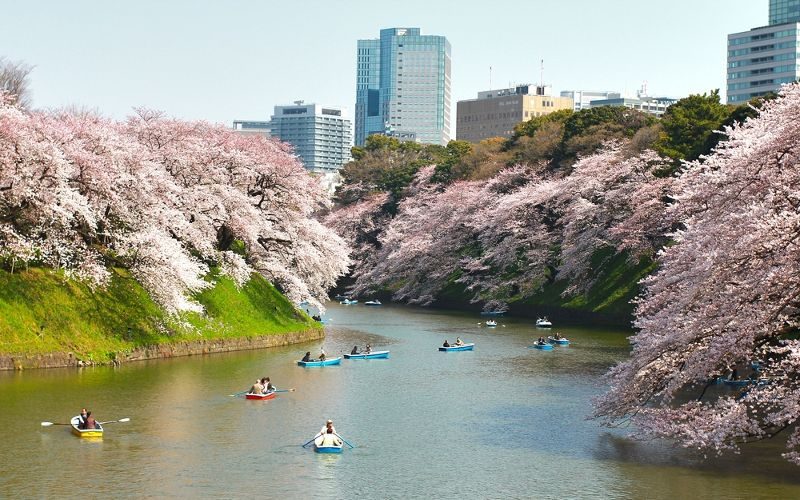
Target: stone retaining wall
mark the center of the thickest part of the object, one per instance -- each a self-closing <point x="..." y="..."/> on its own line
<point x="62" y="359"/>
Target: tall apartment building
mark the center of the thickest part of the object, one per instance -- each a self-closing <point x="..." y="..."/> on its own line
<point x="321" y="135"/>
<point x="403" y="86"/>
<point x="495" y="112"/>
<point x="582" y="99"/>
<point x="762" y="59"/>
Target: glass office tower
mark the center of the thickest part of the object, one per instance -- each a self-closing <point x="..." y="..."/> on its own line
<point x="403" y="86"/>
<point x="763" y="59"/>
<point x="784" y="11"/>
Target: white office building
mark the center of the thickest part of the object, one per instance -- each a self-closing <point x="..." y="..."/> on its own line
<point x="321" y="135"/>
<point x="582" y="99"/>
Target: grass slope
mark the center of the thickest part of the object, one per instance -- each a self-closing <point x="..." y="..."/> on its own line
<point x="41" y="312"/>
<point x="616" y="283"/>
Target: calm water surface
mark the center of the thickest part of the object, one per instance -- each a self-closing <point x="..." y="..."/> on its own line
<point x="503" y="421"/>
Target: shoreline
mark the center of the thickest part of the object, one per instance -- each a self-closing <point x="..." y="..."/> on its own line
<point x="10" y="362"/>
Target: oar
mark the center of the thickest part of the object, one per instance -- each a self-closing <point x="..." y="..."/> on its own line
<point x="126" y="419"/>
<point x="285" y="390"/>
<point x="48" y="424"/>
<point x="238" y="393"/>
<point x="345" y="441"/>
<point x="312" y="440"/>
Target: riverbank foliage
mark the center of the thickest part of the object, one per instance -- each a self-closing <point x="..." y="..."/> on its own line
<point x="44" y="311"/>
<point x="717" y="215"/>
<point x="567" y="212"/>
<point x="725" y="300"/>
<point x="166" y="199"/>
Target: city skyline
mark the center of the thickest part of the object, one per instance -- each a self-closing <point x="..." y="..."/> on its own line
<point x="197" y="60"/>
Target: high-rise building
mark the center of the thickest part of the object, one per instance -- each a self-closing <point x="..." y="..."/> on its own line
<point x="762" y="59"/>
<point x="321" y="135"/>
<point x="784" y="11"/>
<point x="582" y="99"/>
<point x="495" y="112"/>
<point x="403" y="86"/>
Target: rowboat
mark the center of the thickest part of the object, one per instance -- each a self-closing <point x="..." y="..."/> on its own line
<point x="373" y="303"/>
<point x="465" y="347"/>
<point x="372" y="355"/>
<point x="543" y="323"/>
<point x="327" y="362"/>
<point x="268" y="395"/>
<point x="561" y="341"/>
<point x="348" y="302"/>
<point x="544" y="347"/>
<point x="738" y="382"/>
<point x="326" y="449"/>
<point x="85" y="433"/>
<point x="491" y="323"/>
<point x="492" y="313"/>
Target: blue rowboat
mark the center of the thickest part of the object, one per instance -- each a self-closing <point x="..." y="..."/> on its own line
<point x="326" y="449"/>
<point x="465" y="347"/>
<point x="492" y="313"/>
<point x="544" y="347"/>
<point x="327" y="362"/>
<point x="372" y="355"/>
<point x="561" y="341"/>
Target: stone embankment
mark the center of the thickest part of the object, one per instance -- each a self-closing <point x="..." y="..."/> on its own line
<point x="197" y="347"/>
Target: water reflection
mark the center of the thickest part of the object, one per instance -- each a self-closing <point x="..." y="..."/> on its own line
<point x="501" y="421"/>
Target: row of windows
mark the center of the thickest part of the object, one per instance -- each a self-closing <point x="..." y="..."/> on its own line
<point x="760" y="83"/>
<point x="763" y="71"/>
<point x="763" y="48"/>
<point x="763" y="36"/>
<point x="761" y="60"/>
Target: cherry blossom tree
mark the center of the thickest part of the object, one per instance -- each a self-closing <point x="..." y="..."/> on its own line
<point x="725" y="298"/>
<point x="165" y="198"/>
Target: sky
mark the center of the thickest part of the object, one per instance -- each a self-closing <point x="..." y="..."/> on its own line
<point x="236" y="59"/>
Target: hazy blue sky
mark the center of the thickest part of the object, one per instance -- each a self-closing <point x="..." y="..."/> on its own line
<point x="221" y="60"/>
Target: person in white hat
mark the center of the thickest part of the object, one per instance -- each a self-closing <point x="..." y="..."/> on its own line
<point x="328" y="425"/>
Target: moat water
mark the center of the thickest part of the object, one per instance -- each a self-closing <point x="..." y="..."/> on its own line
<point x="502" y="421"/>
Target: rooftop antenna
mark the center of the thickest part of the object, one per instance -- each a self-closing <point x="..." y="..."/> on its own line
<point x="299" y="103"/>
<point x="490" y="78"/>
<point x="541" y="74"/>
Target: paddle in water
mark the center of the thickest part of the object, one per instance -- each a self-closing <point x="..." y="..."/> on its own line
<point x="48" y="424"/>
<point x="126" y="419"/>
<point x="311" y="440"/>
<point x="344" y="440"/>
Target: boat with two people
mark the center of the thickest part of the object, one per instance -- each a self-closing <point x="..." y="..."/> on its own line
<point x="86" y="427"/>
<point x="375" y="302"/>
<point x="558" y="339"/>
<point x="458" y="345"/>
<point x="542" y="344"/>
<point x="327" y="440"/>
<point x="349" y="302"/>
<point x="491" y="323"/>
<point x="543" y="323"/>
<point x="367" y="353"/>
<point x="308" y="361"/>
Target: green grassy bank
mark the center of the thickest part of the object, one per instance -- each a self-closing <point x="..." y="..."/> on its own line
<point x="615" y="283"/>
<point x="42" y="312"/>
